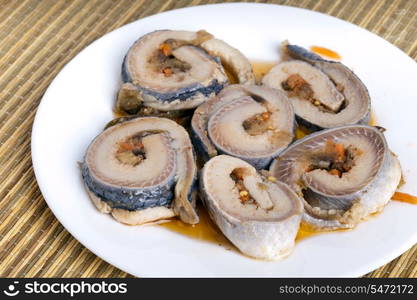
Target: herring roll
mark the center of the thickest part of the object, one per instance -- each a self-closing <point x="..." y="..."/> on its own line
<point x="142" y="170"/>
<point x="343" y="174"/>
<point x="246" y="121"/>
<point x="170" y="70"/>
<point x="259" y="216"/>
<point x="325" y="94"/>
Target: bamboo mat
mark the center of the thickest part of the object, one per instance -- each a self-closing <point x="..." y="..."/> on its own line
<point x="37" y="38"/>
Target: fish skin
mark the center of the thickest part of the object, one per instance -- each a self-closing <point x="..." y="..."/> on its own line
<point x="129" y="198"/>
<point x="329" y="67"/>
<point x="308" y="56"/>
<point x="207" y="148"/>
<point x="365" y="202"/>
<point x="177" y="193"/>
<point x="267" y="240"/>
<point x="303" y="54"/>
<point x="182" y="94"/>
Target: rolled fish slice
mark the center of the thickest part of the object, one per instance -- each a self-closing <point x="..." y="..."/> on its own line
<point x="259" y="216"/>
<point x="246" y="121"/>
<point x="142" y="170"/>
<point x="325" y="94"/>
<point x="343" y="174"/>
<point x="170" y="70"/>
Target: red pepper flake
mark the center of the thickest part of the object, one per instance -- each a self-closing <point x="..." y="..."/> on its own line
<point x="166" y="49"/>
<point x="167" y="71"/>
<point x="125" y="146"/>
<point x="335" y="172"/>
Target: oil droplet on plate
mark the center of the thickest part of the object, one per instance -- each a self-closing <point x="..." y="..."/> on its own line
<point x="261" y="67"/>
<point x="205" y="230"/>
<point x="403" y="197"/>
<point x="322" y="51"/>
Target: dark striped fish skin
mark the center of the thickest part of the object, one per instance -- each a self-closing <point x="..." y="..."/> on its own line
<point x="130" y="199"/>
<point x="162" y="185"/>
<point x="181" y="94"/>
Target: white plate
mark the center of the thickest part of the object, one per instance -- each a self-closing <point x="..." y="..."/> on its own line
<point x="79" y="102"/>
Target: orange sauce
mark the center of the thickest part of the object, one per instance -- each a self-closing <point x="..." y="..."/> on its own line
<point x="261" y="67"/>
<point x="230" y="75"/>
<point x="301" y="132"/>
<point x="306" y="231"/>
<point x="403" y="197"/>
<point x="205" y="230"/>
<point x="372" y="121"/>
<point x="322" y="51"/>
<point x="118" y="114"/>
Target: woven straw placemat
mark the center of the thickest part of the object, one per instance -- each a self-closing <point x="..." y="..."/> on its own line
<point x="37" y="38"/>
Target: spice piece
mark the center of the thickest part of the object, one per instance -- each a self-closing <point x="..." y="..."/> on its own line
<point x="244" y="198"/>
<point x="165" y="49"/>
<point x="272" y="178"/>
<point x="336" y="158"/>
<point x="237" y="176"/>
<point x="340" y="152"/>
<point x="125" y="146"/>
<point x="335" y="172"/>
<point x="243" y="193"/>
<point x="167" y="71"/>
<point x="297" y="86"/>
<point x="130" y="152"/>
<point x="265" y="115"/>
<point x="258" y="124"/>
